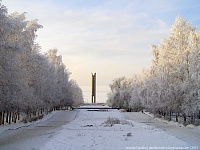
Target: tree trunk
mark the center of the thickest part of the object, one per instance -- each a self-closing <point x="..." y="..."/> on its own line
<point x="192" y="118"/>
<point x="199" y="114"/>
<point x="0" y="118"/>
<point x="185" y="118"/>
<point x="10" y="115"/>
<point x="34" y="113"/>
<point x="18" y="116"/>
<point x="7" y="116"/>
<point x="170" y="116"/>
<point x="3" y="116"/>
<point x="13" y="117"/>
<point x="164" y="114"/>
<point x="176" y="117"/>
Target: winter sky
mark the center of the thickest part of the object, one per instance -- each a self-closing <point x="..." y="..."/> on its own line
<point x="110" y="37"/>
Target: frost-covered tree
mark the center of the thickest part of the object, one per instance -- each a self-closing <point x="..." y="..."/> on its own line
<point x="120" y="93"/>
<point x="29" y="80"/>
<point x="136" y="101"/>
<point x="77" y="94"/>
<point x="174" y="62"/>
<point x="172" y="83"/>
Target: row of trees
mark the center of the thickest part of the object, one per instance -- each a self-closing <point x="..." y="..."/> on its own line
<point x="30" y="81"/>
<point x="172" y="84"/>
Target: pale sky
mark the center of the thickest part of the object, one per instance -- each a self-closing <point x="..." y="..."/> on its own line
<point x="110" y="37"/>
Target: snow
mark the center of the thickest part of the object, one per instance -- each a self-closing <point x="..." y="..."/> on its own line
<point x="94" y="106"/>
<point x="89" y="131"/>
<point x="164" y="121"/>
<point x="188" y="134"/>
<point x="190" y="126"/>
<point x="19" y="124"/>
<point x="34" y="135"/>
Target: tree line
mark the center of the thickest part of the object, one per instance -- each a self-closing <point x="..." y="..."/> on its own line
<point x="30" y="81"/>
<point x="172" y="84"/>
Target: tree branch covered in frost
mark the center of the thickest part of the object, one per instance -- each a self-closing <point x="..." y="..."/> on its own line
<point x="30" y="81"/>
<point x="172" y="83"/>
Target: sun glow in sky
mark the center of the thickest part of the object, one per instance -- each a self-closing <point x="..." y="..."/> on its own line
<point x="110" y="37"/>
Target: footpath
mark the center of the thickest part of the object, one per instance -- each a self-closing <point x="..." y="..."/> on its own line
<point x="107" y="129"/>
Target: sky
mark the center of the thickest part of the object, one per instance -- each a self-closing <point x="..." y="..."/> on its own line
<point x="109" y="37"/>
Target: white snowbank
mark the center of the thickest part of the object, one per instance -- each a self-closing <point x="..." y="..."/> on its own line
<point x="88" y="131"/>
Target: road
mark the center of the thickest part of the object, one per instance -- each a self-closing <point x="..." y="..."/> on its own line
<point x="34" y="136"/>
<point x="190" y="136"/>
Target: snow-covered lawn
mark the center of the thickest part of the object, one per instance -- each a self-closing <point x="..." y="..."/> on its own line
<point x="90" y="132"/>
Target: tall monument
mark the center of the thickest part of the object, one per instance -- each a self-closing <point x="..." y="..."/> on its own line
<point x="93" y="87"/>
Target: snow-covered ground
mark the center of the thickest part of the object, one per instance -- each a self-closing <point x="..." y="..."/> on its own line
<point x="190" y="134"/>
<point x="20" y="124"/>
<point x="90" y="132"/>
<point x="87" y="129"/>
<point x="33" y="135"/>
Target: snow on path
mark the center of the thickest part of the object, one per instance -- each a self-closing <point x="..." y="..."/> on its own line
<point x="33" y="135"/>
<point x="189" y="134"/>
<point x="20" y="124"/>
<point x="88" y="132"/>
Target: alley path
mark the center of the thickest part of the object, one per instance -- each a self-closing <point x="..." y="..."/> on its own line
<point x="107" y="129"/>
<point x="188" y="135"/>
<point x="34" y="136"/>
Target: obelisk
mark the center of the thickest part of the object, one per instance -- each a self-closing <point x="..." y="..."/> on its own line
<point x="93" y="88"/>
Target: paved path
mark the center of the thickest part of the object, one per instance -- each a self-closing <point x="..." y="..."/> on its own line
<point x="34" y="136"/>
<point x="190" y="136"/>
